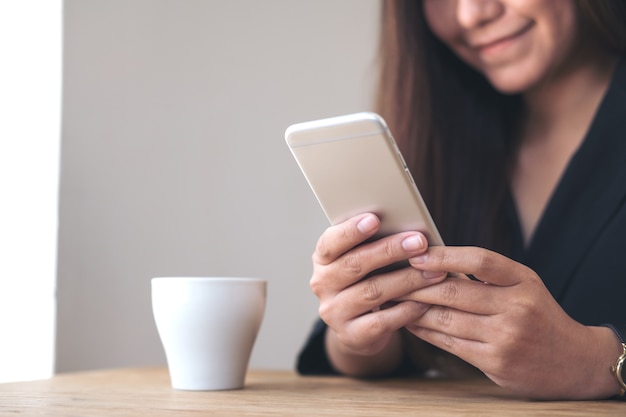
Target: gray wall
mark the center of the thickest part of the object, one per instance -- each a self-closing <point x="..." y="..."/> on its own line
<point x="174" y="163"/>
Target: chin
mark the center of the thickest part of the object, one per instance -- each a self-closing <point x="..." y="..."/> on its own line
<point x="515" y="83"/>
<point x="509" y="88"/>
<point x="510" y="78"/>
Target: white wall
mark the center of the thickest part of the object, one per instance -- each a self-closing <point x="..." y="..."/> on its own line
<point x="174" y="162"/>
<point x="30" y="111"/>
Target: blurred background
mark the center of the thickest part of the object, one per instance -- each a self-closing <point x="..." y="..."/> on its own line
<point x="173" y="162"/>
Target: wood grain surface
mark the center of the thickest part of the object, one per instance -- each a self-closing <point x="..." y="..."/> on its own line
<point x="147" y="392"/>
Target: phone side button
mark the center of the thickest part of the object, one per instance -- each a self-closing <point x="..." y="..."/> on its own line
<point x="408" y="174"/>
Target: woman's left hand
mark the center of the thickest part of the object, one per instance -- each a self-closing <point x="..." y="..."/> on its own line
<point x="508" y="325"/>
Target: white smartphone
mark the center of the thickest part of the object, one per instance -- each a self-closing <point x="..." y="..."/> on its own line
<point x="353" y="165"/>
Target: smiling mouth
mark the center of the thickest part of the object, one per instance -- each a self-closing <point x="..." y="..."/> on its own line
<point x="485" y="47"/>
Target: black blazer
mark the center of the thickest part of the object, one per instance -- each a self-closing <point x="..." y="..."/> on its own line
<point x="579" y="245"/>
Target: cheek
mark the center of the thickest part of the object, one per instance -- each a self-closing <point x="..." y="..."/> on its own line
<point x="557" y="39"/>
<point x="440" y="16"/>
<point x="441" y="19"/>
<point x="557" y="24"/>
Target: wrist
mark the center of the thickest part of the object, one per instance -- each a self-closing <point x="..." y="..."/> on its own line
<point x="605" y="382"/>
<point x="619" y="367"/>
<point x="349" y="362"/>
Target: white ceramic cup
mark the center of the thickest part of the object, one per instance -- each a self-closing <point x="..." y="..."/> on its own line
<point x="208" y="326"/>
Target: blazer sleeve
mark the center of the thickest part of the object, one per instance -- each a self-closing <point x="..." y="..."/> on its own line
<point x="312" y="359"/>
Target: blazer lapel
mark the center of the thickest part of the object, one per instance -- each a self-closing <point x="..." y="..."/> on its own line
<point x="590" y="192"/>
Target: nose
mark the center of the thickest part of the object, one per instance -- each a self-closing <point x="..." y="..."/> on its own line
<point x="475" y="13"/>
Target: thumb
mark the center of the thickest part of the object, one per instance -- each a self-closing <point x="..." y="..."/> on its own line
<point x="485" y="265"/>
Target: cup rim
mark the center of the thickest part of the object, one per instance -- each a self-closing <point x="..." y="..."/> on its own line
<point x="207" y="279"/>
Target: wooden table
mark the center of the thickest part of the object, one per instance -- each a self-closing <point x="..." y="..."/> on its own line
<point x="147" y="392"/>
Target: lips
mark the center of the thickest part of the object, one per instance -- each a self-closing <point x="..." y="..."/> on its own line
<point x="489" y="42"/>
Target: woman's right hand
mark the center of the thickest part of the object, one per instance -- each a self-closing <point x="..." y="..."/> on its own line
<point x="363" y="320"/>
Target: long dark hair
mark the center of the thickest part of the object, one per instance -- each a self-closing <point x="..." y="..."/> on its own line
<point x="456" y="131"/>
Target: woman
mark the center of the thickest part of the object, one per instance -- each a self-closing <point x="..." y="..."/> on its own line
<point x="510" y="114"/>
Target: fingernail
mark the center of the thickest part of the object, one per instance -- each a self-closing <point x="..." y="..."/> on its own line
<point x="419" y="259"/>
<point x="413" y="243"/>
<point x="367" y="224"/>
<point x="433" y="274"/>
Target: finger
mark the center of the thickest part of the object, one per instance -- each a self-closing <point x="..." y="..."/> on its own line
<point x="461" y="294"/>
<point x="371" y="327"/>
<point x="338" y="239"/>
<point x="376" y="291"/>
<point x="487" y="266"/>
<point x="383" y="253"/>
<point x="466" y="349"/>
<point x="455" y="323"/>
<point x="359" y="262"/>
